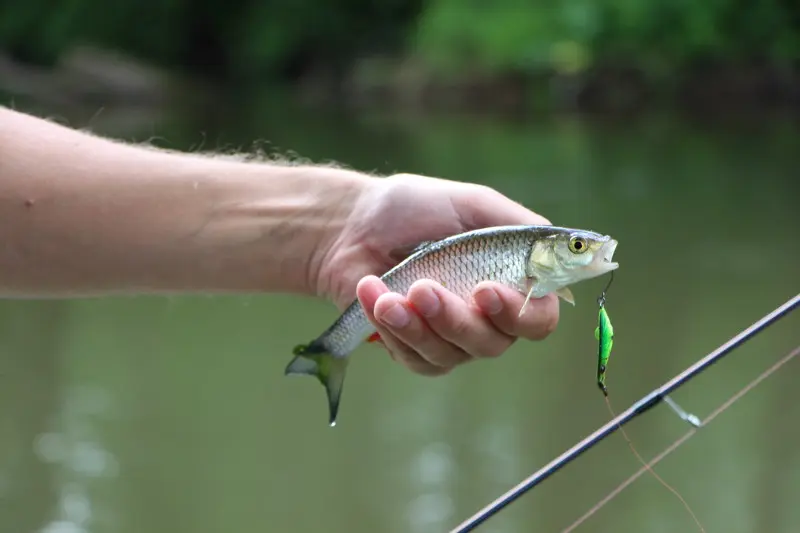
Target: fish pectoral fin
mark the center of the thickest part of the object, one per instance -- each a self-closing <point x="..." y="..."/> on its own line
<point x="534" y="289"/>
<point x="597" y="333"/>
<point x="527" y="299"/>
<point x="563" y="293"/>
<point x="566" y="295"/>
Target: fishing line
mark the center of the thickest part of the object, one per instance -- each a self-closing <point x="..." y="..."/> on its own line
<point x="601" y="302"/>
<point x="675" y="445"/>
<point x="640" y="407"/>
<point x="648" y="467"/>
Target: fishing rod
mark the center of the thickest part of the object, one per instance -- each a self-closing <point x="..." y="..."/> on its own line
<point x="640" y="407"/>
<point x="674" y="446"/>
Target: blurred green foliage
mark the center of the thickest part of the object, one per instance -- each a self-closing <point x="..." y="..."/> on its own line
<point x="244" y="39"/>
<point x="656" y="36"/>
<point x="234" y="39"/>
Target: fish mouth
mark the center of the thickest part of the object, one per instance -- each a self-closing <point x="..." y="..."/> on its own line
<point x="607" y="254"/>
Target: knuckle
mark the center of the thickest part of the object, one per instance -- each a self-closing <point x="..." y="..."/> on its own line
<point x="433" y="371"/>
<point x="414" y="361"/>
<point x="540" y="332"/>
<point x="488" y="353"/>
<point x="459" y="326"/>
<point x="424" y="367"/>
<point x="493" y="350"/>
<point x="408" y="359"/>
<point x="545" y="325"/>
<point x="445" y="356"/>
<point x="552" y="317"/>
<point x="401" y="176"/>
<point x="485" y="189"/>
<point x="415" y="333"/>
<point x="551" y="324"/>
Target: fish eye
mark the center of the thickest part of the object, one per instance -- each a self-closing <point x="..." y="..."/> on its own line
<point x="577" y="245"/>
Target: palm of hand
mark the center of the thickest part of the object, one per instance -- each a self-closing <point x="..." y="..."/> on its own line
<point x="430" y="330"/>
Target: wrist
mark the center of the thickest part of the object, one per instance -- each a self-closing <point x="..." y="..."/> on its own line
<point x="82" y="215"/>
<point x="283" y="220"/>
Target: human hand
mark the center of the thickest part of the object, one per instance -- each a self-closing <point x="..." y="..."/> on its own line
<point x="430" y="330"/>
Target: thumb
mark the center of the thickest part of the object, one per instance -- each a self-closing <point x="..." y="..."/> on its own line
<point x="479" y="206"/>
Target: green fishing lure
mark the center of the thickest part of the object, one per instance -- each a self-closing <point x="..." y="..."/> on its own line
<point x="604" y="333"/>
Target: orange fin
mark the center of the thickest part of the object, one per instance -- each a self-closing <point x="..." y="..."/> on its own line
<point x="374" y="337"/>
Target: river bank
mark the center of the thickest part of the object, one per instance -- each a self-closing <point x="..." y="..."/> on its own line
<point x="98" y="77"/>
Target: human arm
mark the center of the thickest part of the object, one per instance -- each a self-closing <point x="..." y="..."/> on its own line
<point x="82" y="215"/>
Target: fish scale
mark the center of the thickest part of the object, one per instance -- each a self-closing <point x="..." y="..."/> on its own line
<point x="535" y="260"/>
<point x="458" y="265"/>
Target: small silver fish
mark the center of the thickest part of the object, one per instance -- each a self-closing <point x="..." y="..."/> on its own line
<point x="536" y="260"/>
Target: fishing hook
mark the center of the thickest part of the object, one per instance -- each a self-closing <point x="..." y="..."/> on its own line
<point x="601" y="300"/>
<point x="687" y="417"/>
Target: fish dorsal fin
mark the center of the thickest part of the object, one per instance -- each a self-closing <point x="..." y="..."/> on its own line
<point x="566" y="295"/>
<point x="421" y="246"/>
<point x="403" y="253"/>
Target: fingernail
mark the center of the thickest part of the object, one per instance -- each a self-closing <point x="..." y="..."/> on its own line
<point x="396" y="316"/>
<point x="489" y="301"/>
<point x="426" y="301"/>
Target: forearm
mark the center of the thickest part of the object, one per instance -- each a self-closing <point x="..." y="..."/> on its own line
<point x="81" y="215"/>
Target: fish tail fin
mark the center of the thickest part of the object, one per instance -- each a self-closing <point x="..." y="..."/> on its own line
<point x="314" y="360"/>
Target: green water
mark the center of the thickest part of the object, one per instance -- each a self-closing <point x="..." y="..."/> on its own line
<point x="171" y="415"/>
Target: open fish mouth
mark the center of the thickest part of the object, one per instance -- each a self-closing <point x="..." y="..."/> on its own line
<point x="607" y="254"/>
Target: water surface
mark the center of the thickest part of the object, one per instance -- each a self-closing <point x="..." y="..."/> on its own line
<point x="168" y="415"/>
